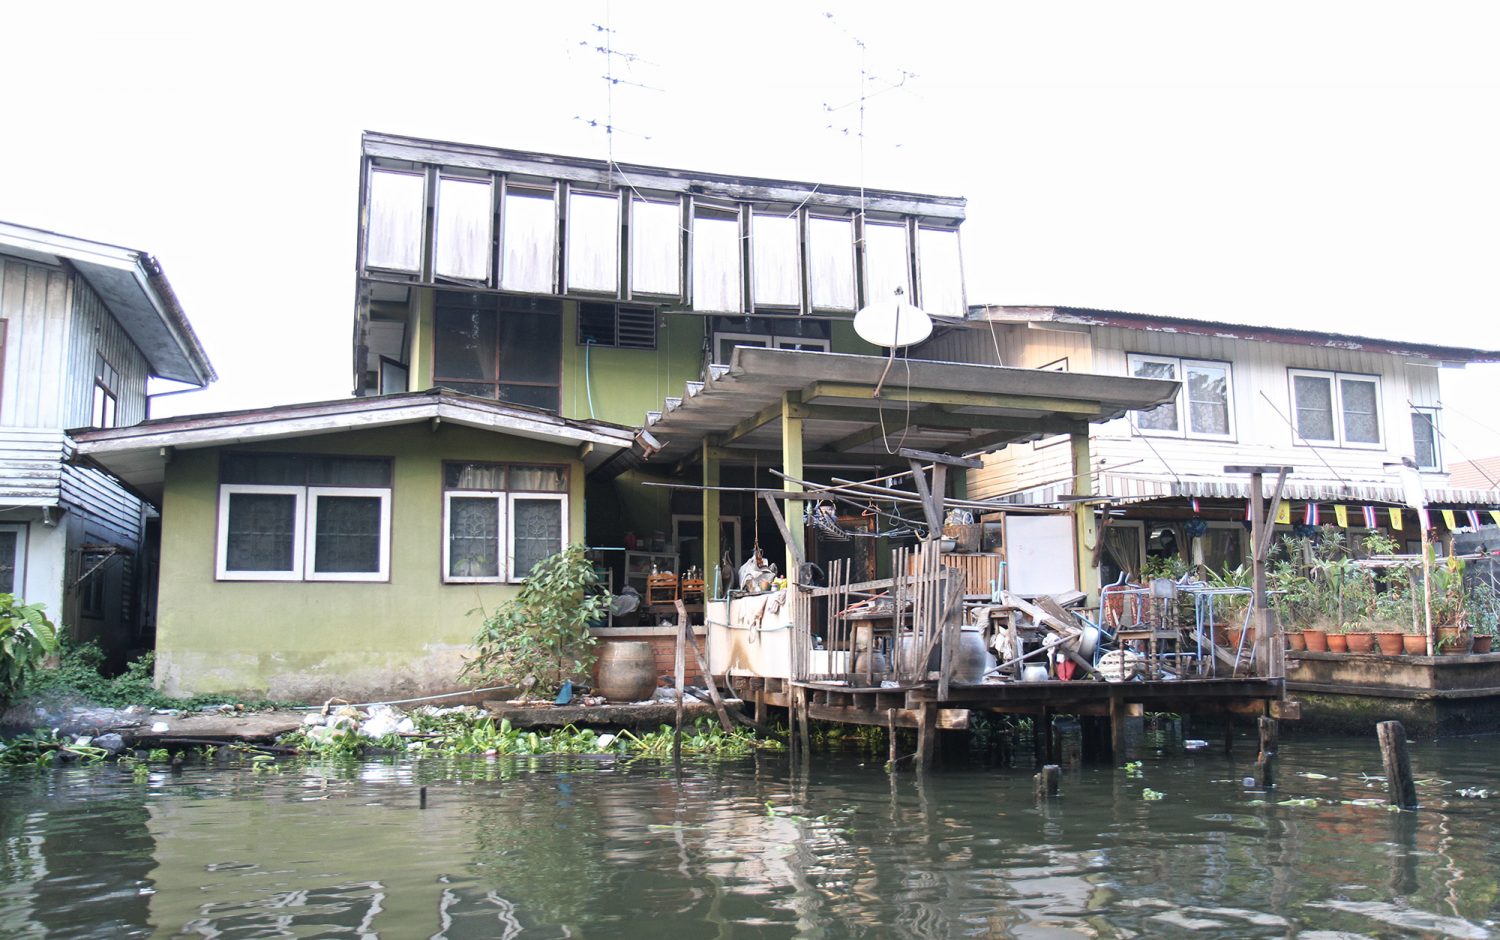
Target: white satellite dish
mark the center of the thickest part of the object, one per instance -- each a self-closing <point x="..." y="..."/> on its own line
<point x="892" y="323"/>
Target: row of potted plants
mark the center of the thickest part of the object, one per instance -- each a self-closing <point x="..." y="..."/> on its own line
<point x="1344" y="604"/>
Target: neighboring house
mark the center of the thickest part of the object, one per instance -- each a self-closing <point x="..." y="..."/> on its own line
<point x="1480" y="474"/>
<point x="1340" y="410"/>
<point x="520" y="320"/>
<point x="82" y="326"/>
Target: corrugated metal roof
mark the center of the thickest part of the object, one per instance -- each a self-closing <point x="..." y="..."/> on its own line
<point x="936" y="406"/>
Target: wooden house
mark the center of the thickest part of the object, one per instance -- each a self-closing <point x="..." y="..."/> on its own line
<point x="83" y="325"/>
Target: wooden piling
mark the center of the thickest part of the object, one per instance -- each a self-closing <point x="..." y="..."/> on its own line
<point x="1265" y="764"/>
<point x="1048" y="781"/>
<point x="926" y="734"/>
<point x="803" y="734"/>
<point x="1228" y="735"/>
<point x="679" y="676"/>
<point x="1399" y="781"/>
<point x="1117" y="715"/>
<point x="890" y="731"/>
<point x="422" y="798"/>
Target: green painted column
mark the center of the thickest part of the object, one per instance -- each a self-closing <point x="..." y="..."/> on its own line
<point x="791" y="465"/>
<point x="711" y="549"/>
<point x="1085" y="523"/>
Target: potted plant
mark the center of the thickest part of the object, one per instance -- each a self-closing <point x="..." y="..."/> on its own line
<point x="1449" y="607"/>
<point x="1484" y="615"/>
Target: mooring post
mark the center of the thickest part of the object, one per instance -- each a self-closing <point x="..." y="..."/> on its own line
<point x="1265" y="764"/>
<point x="803" y="734"/>
<point x="422" y="798"/>
<point x="1228" y="734"/>
<point x="926" y="734"/>
<point x="1048" y="781"/>
<point x="1398" y="778"/>
<point x="679" y="676"/>
<point x="890" y="730"/>
<point x="1117" y="712"/>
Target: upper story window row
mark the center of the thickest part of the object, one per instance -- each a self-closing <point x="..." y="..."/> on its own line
<point x="706" y="250"/>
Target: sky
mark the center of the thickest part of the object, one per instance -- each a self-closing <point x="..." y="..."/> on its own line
<point x="1324" y="165"/>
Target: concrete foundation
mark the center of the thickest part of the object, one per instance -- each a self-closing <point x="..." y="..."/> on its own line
<point x="1428" y="694"/>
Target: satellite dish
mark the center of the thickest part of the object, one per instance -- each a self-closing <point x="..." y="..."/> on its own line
<point x="892" y="323"/>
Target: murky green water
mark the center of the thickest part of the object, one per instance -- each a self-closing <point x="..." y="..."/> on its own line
<point x="596" y="848"/>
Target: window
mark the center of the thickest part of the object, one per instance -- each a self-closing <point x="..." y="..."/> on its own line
<point x="726" y="340"/>
<point x="1223" y="546"/>
<point x="940" y="272"/>
<point x="716" y="259"/>
<point x="1424" y="433"/>
<point x="623" y="325"/>
<point x="106" y="394"/>
<point x="13" y="559"/>
<point x="499" y="520"/>
<point x="830" y="262"/>
<point x="593" y="242"/>
<point x="1205" y="406"/>
<point x="775" y="260"/>
<point x="398" y="206"/>
<point x="292" y="517"/>
<point x="528" y="252"/>
<point x="505" y="348"/>
<point x="1336" y="408"/>
<point x="887" y="262"/>
<point x="655" y="247"/>
<point x="465" y="213"/>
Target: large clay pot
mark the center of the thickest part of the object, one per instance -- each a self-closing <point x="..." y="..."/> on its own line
<point x="1414" y="644"/>
<point x="1316" y="640"/>
<point x="1338" y="643"/>
<point x="876" y="668"/>
<point x="1360" y="642"/>
<point x="627" y="670"/>
<point x="1484" y="644"/>
<point x="1295" y="641"/>
<point x="972" y="658"/>
<point x="1453" y="641"/>
<point x="1390" y="642"/>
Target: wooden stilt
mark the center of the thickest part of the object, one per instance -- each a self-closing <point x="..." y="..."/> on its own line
<point x="803" y="735"/>
<point x="1117" y="748"/>
<point x="760" y="706"/>
<point x="1048" y="781"/>
<point x="1228" y="735"/>
<point x="1265" y="764"/>
<point x="890" y="731"/>
<point x="926" y="734"/>
<point x="679" y="678"/>
<point x="1403" y="789"/>
<point x="1049" y="737"/>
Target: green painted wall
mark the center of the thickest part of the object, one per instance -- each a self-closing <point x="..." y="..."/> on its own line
<point x="310" y="640"/>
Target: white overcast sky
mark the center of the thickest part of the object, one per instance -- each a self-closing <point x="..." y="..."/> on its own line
<point x="1326" y="165"/>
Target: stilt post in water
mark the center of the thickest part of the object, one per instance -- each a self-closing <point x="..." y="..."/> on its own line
<point x="1048" y="781"/>
<point x="1403" y="789"/>
<point x="679" y="678"/>
<point x="1265" y="764"/>
<point x="926" y="734"/>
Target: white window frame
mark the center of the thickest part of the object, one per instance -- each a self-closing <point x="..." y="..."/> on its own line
<point x="788" y="342"/>
<point x="767" y="341"/>
<point x="1180" y="368"/>
<point x="516" y="577"/>
<point x="1336" y="381"/>
<point x="1431" y="413"/>
<point x="299" y="532"/>
<point x="502" y="526"/>
<point x="18" y="578"/>
<point x="310" y="503"/>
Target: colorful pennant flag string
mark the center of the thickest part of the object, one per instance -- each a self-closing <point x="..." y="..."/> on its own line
<point x="1474" y="522"/>
<point x="1448" y="519"/>
<point x="1284" y="514"/>
<point x="1395" y="518"/>
<point x="1370" y="521"/>
<point x="1310" y="514"/>
<point x="1196" y="508"/>
<point x="1341" y="516"/>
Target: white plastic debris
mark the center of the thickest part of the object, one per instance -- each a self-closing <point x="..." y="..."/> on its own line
<point x="384" y="720"/>
<point x="160" y="727"/>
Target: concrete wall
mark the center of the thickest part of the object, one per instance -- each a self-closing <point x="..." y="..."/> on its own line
<point x="310" y="640"/>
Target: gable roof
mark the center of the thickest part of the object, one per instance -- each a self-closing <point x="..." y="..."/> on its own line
<point x="131" y="284"/>
<point x="138" y="454"/>
<point x="1085" y="316"/>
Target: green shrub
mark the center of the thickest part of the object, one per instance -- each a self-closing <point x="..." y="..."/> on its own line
<point x="26" y="638"/>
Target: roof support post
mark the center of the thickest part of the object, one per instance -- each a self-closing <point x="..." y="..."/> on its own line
<point x="791" y="464"/>
<point x="712" y="575"/>
<point x="1085" y="523"/>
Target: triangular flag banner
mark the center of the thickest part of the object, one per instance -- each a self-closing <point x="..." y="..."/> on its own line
<point x="1448" y="519"/>
<point x="1341" y="516"/>
<point x="1395" y="517"/>
<point x="1474" y="522"/>
<point x="1195" y="505"/>
<point x="1495" y="515"/>
<point x="1284" y="514"/>
<point x="1310" y="514"/>
<point x="1370" y="522"/>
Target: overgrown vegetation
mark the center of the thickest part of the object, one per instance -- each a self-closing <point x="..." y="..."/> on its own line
<point x="80" y="674"/>
<point x="27" y="637"/>
<point x="540" y="639"/>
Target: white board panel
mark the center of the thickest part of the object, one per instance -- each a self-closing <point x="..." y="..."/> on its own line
<point x="594" y="242"/>
<point x="464" y="213"/>
<point x="1039" y="554"/>
<point x="655" y="247"/>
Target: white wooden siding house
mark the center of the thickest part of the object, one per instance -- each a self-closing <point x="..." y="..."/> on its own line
<point x="82" y="326"/>
<point x="1339" y="410"/>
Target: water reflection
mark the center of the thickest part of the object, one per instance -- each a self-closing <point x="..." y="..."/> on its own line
<point x="595" y="847"/>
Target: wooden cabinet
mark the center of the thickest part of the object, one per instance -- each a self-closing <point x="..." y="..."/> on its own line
<point x="638" y="567"/>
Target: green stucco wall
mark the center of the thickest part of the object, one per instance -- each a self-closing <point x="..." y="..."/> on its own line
<point x="306" y="641"/>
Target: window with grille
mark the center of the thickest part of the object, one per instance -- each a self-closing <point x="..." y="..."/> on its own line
<point x="623" y="325"/>
<point x="499" y="520"/>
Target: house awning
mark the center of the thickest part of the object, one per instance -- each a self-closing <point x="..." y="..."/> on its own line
<point x="138" y="454"/>
<point x="942" y="407"/>
<point x="1123" y="488"/>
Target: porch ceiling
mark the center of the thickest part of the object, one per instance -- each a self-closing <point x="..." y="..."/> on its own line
<point x="944" y="407"/>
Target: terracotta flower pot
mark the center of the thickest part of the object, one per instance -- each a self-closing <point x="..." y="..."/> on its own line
<point x="1390" y="642"/>
<point x="1483" y="644"/>
<point x="1453" y="641"/>
<point x="1360" y="642"/>
<point x="1295" y="641"/>
<point x="1415" y="644"/>
<point x="1316" y="640"/>
<point x="1338" y="642"/>
<point x="1235" y="635"/>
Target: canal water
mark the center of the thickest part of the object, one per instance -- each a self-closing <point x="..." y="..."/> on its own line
<point x="574" y="847"/>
